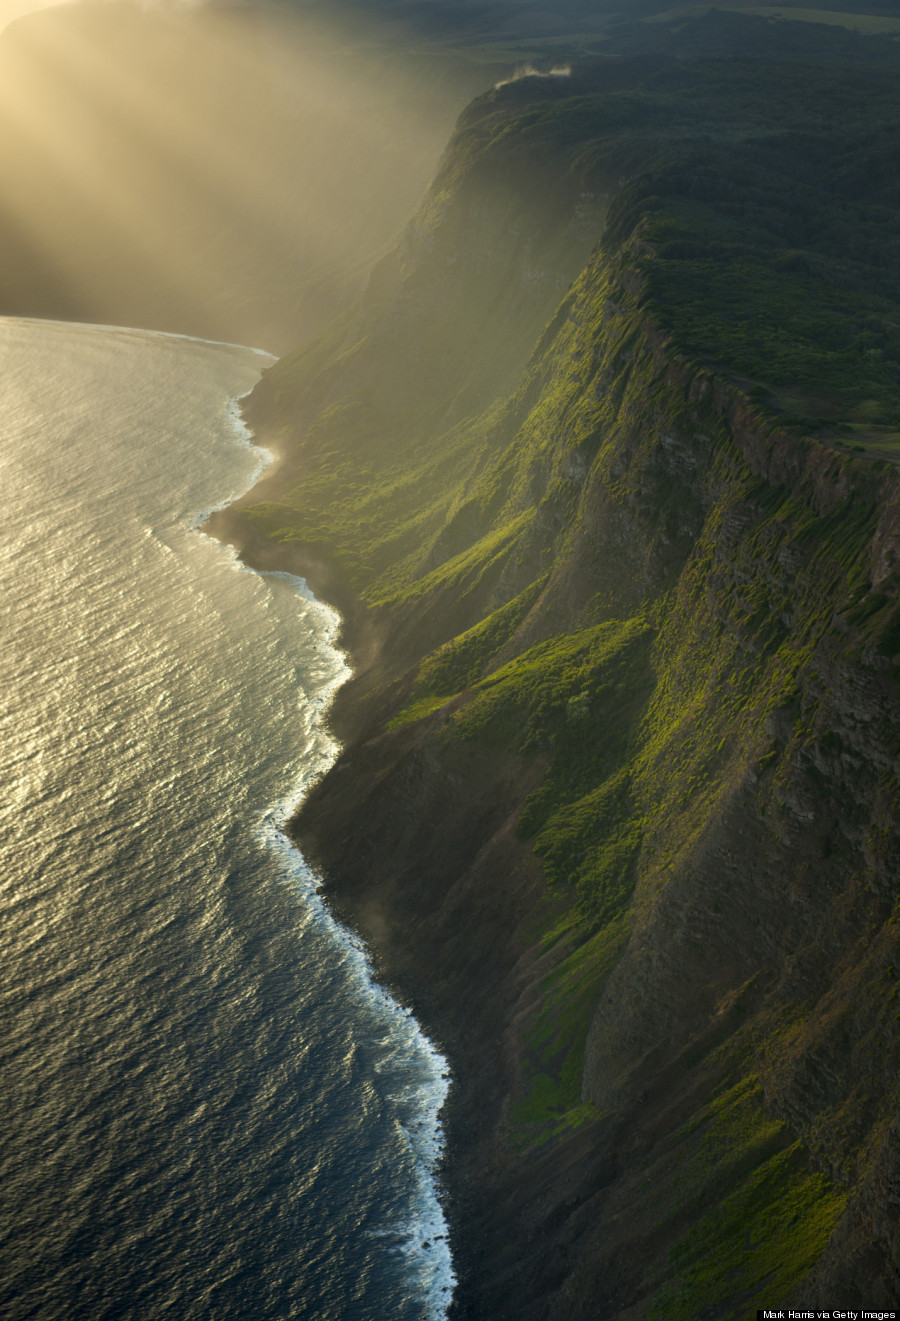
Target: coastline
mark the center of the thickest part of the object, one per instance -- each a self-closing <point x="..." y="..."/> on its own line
<point x="430" y="964"/>
<point x="431" y="1233"/>
<point x="180" y="695"/>
<point x="622" y="604"/>
<point x="415" y="837"/>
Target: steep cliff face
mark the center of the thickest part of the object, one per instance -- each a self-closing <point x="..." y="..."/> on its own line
<point x="617" y="802"/>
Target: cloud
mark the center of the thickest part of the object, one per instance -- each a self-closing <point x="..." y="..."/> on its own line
<point x="529" y="71"/>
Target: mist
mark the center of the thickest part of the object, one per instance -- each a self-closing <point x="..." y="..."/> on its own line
<point x="229" y="173"/>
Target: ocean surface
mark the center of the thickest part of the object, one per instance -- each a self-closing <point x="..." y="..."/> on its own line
<point x="207" y="1108"/>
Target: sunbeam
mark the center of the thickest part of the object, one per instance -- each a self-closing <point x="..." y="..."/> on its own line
<point x="230" y="173"/>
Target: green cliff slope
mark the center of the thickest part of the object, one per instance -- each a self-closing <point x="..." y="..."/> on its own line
<point x="601" y="474"/>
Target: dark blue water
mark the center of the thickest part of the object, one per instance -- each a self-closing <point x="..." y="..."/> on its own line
<point x="208" y="1109"/>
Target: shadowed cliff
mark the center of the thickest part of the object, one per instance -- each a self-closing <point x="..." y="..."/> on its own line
<point x="601" y="473"/>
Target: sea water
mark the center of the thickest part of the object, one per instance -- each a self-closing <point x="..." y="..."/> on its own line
<point x="207" y="1107"/>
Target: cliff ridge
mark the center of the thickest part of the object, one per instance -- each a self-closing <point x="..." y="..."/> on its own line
<point x="617" y="802"/>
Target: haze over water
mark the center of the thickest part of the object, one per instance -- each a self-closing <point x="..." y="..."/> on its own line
<point x="208" y="1110"/>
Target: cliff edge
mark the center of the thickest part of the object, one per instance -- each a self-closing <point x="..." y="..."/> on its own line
<point x="601" y="472"/>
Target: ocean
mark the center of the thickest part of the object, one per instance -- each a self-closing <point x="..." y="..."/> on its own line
<point x="209" y="1108"/>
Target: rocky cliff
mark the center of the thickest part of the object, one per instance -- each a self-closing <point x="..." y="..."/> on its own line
<point x="617" y="803"/>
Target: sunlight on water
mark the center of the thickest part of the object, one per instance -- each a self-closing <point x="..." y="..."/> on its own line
<point x="211" y="1110"/>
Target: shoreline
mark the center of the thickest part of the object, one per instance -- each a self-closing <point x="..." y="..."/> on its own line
<point x="434" y="1223"/>
<point x="481" y="1083"/>
<point x="186" y="705"/>
<point x="138" y="331"/>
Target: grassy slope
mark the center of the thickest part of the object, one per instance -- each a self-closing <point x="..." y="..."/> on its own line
<point x="753" y="243"/>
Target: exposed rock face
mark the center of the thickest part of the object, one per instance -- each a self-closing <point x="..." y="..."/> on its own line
<point x="676" y="1065"/>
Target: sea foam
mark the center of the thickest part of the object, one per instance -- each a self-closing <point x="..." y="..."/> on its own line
<point x="422" y="1237"/>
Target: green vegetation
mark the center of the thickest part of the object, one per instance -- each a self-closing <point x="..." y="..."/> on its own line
<point x="573" y="699"/>
<point x="554" y="1059"/>
<point x="754" y="1243"/>
<point x="764" y="211"/>
<point x="803" y="301"/>
<point x="464" y="660"/>
<point x="858" y="22"/>
<point x="638" y="563"/>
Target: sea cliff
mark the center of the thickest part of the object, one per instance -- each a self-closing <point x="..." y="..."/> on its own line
<point x="601" y="474"/>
